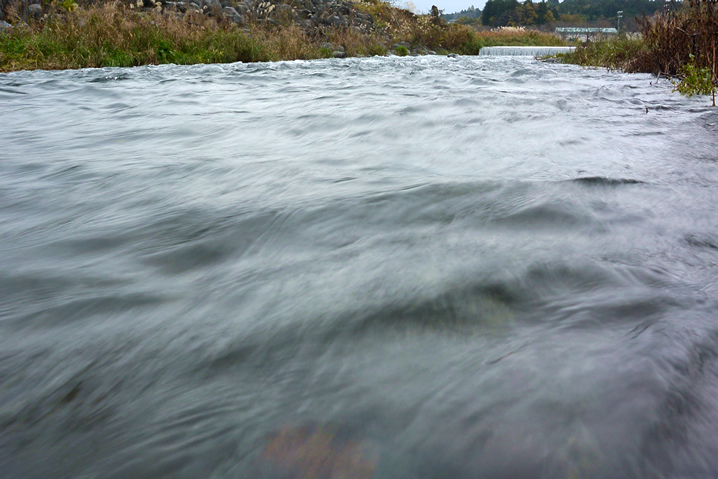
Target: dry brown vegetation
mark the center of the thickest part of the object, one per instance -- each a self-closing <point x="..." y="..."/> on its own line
<point x="680" y="35"/>
<point x="115" y="34"/>
<point x="519" y="36"/>
<point x="679" y="42"/>
<point x="111" y="35"/>
<point x="676" y="35"/>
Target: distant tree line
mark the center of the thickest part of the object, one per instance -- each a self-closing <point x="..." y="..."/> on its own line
<point x="595" y="10"/>
<point x="512" y="13"/>
<point x="498" y="13"/>
<point x="471" y="15"/>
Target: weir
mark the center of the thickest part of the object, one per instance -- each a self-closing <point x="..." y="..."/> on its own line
<point x="523" y="51"/>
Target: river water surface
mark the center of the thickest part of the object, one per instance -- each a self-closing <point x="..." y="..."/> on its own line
<point x="420" y="267"/>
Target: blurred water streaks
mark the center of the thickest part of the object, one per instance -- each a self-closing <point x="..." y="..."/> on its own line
<point x="382" y="267"/>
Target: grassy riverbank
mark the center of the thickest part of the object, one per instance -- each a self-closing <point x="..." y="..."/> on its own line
<point x="680" y="43"/>
<point x="122" y="35"/>
<point x="519" y="37"/>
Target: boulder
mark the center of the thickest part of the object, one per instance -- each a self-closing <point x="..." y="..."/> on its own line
<point x="4" y="26"/>
<point x="34" y="10"/>
<point x="231" y="14"/>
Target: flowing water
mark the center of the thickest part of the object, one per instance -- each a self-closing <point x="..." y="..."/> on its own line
<point x="395" y="267"/>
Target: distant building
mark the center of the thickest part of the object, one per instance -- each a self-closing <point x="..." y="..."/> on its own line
<point x="584" y="34"/>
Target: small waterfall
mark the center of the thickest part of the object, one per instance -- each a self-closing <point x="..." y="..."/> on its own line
<point x="523" y="51"/>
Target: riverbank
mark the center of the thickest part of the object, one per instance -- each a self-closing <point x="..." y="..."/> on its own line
<point x="679" y="42"/>
<point x="123" y="35"/>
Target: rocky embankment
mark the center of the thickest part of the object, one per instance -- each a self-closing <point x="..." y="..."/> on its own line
<point x="304" y="13"/>
<point x="310" y="15"/>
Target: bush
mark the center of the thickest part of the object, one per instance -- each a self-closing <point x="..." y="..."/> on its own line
<point x="695" y="81"/>
<point x="401" y="50"/>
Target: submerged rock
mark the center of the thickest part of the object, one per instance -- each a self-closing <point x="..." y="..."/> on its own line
<point x="316" y="452"/>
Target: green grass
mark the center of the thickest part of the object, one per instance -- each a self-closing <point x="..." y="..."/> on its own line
<point x="615" y="54"/>
<point x="110" y="37"/>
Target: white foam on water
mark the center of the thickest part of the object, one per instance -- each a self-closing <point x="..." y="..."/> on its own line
<point x="523" y="51"/>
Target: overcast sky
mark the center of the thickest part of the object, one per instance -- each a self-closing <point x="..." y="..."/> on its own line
<point x="448" y="6"/>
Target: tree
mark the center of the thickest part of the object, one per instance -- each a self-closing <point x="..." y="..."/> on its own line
<point x="488" y="13"/>
<point x="527" y="14"/>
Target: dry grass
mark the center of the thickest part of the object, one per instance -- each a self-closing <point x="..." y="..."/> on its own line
<point x="672" y="37"/>
<point x="116" y="34"/>
<point x="519" y="37"/>
<point x="402" y="25"/>
<point x="110" y="35"/>
<point x="614" y="54"/>
<point x="669" y="41"/>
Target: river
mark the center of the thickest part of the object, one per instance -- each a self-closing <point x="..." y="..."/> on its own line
<point x="419" y="267"/>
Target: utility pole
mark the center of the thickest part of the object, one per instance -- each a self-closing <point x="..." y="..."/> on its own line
<point x="619" y="16"/>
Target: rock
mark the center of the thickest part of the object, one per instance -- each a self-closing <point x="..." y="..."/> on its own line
<point x="231" y="14"/>
<point x="5" y="26"/>
<point x="339" y="54"/>
<point x="34" y="10"/>
<point x="452" y="55"/>
<point x="194" y="6"/>
<point x="316" y="451"/>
